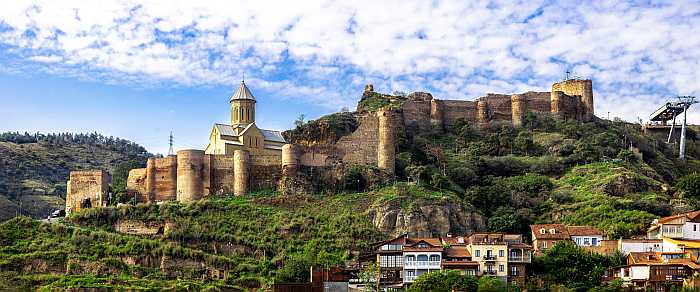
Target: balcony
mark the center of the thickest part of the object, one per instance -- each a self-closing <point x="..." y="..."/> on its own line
<point x="490" y="272"/>
<point x="409" y="278"/>
<point x="519" y="259"/>
<point x="489" y="257"/>
<point x="421" y="264"/>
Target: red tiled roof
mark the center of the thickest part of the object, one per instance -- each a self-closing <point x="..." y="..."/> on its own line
<point x="560" y="231"/>
<point x="689" y="215"/>
<point x="457" y="252"/>
<point x="455" y="240"/>
<point x="583" y="230"/>
<point x="429" y="240"/>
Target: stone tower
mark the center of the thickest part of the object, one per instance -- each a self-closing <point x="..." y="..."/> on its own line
<point x="581" y="88"/>
<point x="519" y="108"/>
<point x="190" y="167"/>
<point x="436" y="115"/>
<point x="242" y="106"/>
<point x="482" y="112"/>
<point x="386" y="149"/>
<point x="241" y="161"/>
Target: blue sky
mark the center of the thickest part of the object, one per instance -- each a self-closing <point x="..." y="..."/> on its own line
<point x="139" y="69"/>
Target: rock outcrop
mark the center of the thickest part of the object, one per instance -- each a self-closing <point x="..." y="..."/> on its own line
<point x="425" y="217"/>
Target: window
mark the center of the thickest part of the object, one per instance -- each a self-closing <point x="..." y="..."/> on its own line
<point x="594" y="241"/>
<point x="578" y="241"/>
<point x="695" y="227"/>
<point x="422" y="258"/>
<point x="513" y="271"/>
<point x="544" y="244"/>
<point x="434" y="258"/>
<point x="542" y="231"/>
<point x="586" y="241"/>
<point x="410" y="258"/>
<point x="477" y="253"/>
<point x="470" y="272"/>
<point x="501" y="268"/>
<point x="500" y="253"/>
<point x="552" y="231"/>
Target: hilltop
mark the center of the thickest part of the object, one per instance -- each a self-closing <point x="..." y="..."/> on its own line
<point x="463" y="179"/>
<point x="34" y="167"/>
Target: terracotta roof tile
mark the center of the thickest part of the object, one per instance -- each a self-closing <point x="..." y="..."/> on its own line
<point x="689" y="215"/>
<point x="560" y="231"/>
<point x="457" y="252"/>
<point x="583" y="230"/>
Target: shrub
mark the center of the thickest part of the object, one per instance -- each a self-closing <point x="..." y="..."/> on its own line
<point x="690" y="185"/>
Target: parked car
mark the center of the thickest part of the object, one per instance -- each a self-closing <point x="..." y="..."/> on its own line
<point x="57" y="214"/>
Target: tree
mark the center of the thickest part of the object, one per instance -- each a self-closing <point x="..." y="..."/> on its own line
<point x="443" y="281"/>
<point x="570" y="265"/>
<point x="489" y="284"/>
<point x="690" y="185"/>
<point x="368" y="276"/>
<point x="299" y="121"/>
<point x="416" y="172"/>
<point x="523" y="142"/>
<point x="504" y="223"/>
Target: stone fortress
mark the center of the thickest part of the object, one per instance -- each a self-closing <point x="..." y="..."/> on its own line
<point x="241" y="158"/>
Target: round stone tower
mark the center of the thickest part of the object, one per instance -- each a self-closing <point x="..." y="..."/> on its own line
<point x="436" y="115"/>
<point x="242" y="106"/>
<point x="518" y="109"/>
<point x="241" y="163"/>
<point x="386" y="150"/>
<point x="482" y="112"/>
<point x="190" y="181"/>
<point x="150" y="180"/>
<point x="290" y="159"/>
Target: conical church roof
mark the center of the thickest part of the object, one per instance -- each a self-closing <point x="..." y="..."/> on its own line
<point x="242" y="93"/>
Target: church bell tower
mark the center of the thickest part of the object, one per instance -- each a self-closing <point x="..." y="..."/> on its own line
<point x="242" y="106"/>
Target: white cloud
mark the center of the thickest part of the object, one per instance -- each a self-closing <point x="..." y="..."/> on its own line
<point x="636" y="53"/>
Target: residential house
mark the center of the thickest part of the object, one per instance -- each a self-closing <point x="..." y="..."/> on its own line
<point x="585" y="236"/>
<point x="655" y="271"/>
<point x="547" y="235"/>
<point x="501" y="255"/>
<point x="456" y="256"/>
<point x="680" y="226"/>
<point x="421" y="255"/>
<point x="628" y="245"/>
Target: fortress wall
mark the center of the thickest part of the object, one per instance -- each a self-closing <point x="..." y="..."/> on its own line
<point x="538" y="101"/>
<point x="319" y="155"/>
<point x="165" y="179"/>
<point x="90" y="185"/>
<point x="499" y="106"/>
<point x="360" y="147"/>
<point x="222" y="174"/>
<point x="416" y="114"/>
<point x="136" y="184"/>
<point x="454" y="110"/>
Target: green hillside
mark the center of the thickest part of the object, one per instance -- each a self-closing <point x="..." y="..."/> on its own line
<point x="462" y="180"/>
<point x="34" y="168"/>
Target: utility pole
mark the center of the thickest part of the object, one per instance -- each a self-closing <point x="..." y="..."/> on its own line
<point x="170" y="150"/>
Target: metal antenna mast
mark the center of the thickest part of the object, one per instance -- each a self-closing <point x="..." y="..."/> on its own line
<point x="170" y="150"/>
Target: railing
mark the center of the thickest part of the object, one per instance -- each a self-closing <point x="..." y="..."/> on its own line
<point x="489" y="257"/>
<point x="519" y="259"/>
<point x="422" y="264"/>
<point x="672" y="234"/>
<point x="490" y="272"/>
<point x="409" y="278"/>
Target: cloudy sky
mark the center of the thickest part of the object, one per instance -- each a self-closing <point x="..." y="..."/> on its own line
<point x="139" y="69"/>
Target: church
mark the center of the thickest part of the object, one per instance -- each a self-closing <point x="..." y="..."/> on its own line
<point x="243" y="133"/>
